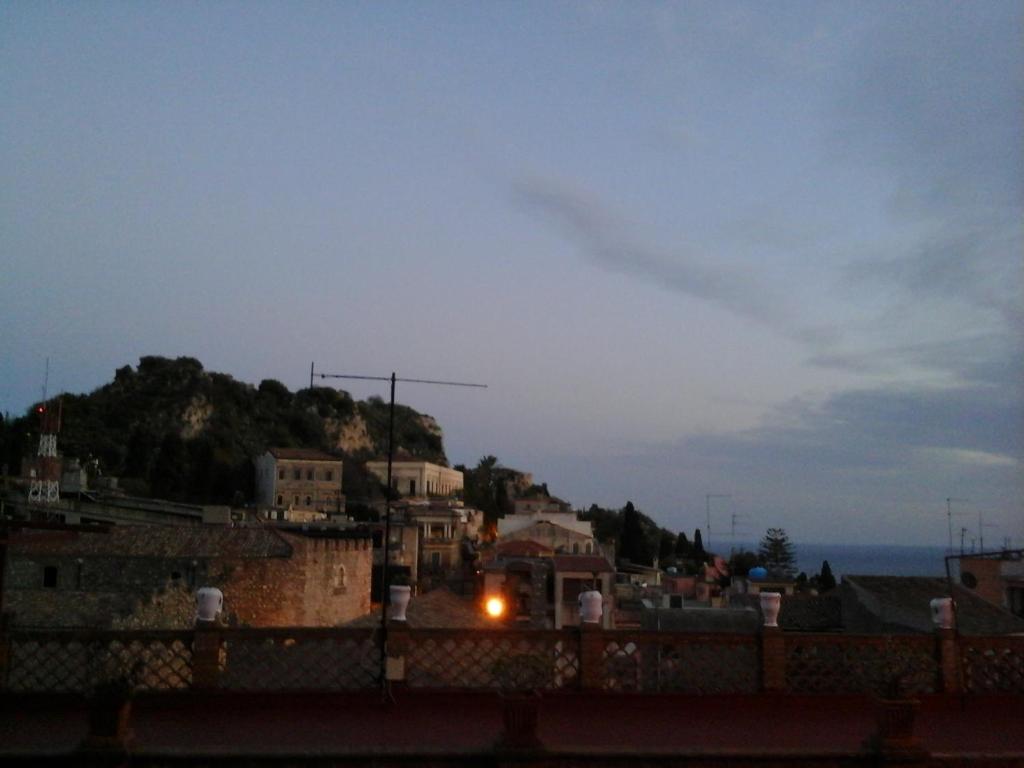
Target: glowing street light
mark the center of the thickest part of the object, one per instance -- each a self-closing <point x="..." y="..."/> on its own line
<point x="495" y="607"/>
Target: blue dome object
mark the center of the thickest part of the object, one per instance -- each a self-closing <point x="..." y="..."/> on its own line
<point x="758" y="574"/>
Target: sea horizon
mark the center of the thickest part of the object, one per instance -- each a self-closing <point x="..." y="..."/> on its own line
<point x="866" y="559"/>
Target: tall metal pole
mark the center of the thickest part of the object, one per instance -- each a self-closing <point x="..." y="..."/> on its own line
<point x="387" y="502"/>
<point x="707" y="504"/>
<point x="949" y="519"/>
<point x="387" y="537"/>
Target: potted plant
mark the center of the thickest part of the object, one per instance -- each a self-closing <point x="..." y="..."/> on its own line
<point x="114" y="681"/>
<point x="895" y="709"/>
<point x="520" y="679"/>
<point x="400" y="593"/>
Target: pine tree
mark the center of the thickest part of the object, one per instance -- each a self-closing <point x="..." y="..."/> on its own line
<point x="632" y="544"/>
<point x="666" y="545"/>
<point x="826" y="580"/>
<point x="698" y="545"/>
<point x="682" y="545"/>
<point x="776" y="552"/>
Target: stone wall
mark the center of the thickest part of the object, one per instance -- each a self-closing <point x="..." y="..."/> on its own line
<point x="306" y="582"/>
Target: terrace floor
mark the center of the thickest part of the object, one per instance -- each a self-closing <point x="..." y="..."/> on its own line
<point x="439" y="727"/>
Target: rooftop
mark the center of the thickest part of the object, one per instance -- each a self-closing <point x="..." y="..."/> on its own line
<point x="302" y="454"/>
<point x="182" y="542"/>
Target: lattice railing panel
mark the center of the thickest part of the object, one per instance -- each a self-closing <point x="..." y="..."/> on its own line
<point x="63" y="662"/>
<point x="993" y="664"/>
<point x="472" y="658"/>
<point x="266" y="660"/>
<point x="860" y="664"/>
<point x="660" y="661"/>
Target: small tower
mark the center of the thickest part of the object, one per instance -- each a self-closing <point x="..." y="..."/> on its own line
<point x="44" y="487"/>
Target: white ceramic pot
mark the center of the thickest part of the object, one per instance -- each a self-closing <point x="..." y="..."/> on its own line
<point x="942" y="612"/>
<point x="400" y="596"/>
<point x="209" y="602"/>
<point x="770" y="604"/>
<point x="591" y="606"/>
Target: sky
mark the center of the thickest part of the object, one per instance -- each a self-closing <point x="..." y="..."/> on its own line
<point x="771" y="252"/>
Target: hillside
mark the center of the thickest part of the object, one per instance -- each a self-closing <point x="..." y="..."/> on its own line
<point x="171" y="429"/>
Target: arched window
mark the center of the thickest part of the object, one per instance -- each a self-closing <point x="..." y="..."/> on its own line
<point x="589" y="549"/>
<point x="340" y="580"/>
<point x="575" y="547"/>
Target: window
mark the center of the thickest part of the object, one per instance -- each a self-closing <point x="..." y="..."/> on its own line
<point x="280" y="499"/>
<point x="309" y="474"/>
<point x="296" y="474"/>
<point x="280" y="474"/>
<point x="575" y="547"/>
<point x="50" y="576"/>
<point x="412" y="487"/>
<point x="435" y="559"/>
<point x="340" y="580"/>
<point x="589" y="549"/>
<point x="328" y="475"/>
<point x="296" y="501"/>
<point x="309" y="501"/>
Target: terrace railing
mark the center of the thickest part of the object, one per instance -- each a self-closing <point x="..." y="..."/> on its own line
<point x="324" y="659"/>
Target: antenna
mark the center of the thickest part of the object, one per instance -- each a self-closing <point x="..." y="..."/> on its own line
<point x="736" y="516"/>
<point x="949" y="518"/>
<point x="707" y="505"/>
<point x="387" y="504"/>
<point x="981" y="532"/>
<point x="44" y="487"/>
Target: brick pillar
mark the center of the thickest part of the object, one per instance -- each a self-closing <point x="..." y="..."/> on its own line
<point x="206" y="649"/>
<point x="592" y="645"/>
<point x="399" y="642"/>
<point x="948" y="652"/>
<point x="773" y="660"/>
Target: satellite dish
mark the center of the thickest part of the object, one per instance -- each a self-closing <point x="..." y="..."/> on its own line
<point x="969" y="580"/>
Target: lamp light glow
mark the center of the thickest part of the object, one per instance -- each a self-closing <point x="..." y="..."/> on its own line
<point x="495" y="607"/>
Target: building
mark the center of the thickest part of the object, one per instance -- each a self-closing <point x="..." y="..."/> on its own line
<point x="900" y="604"/>
<point x="528" y="506"/>
<point x="417" y="478"/>
<point x="997" y="577"/>
<point x="135" y="576"/>
<point x="560" y="531"/>
<point x="299" y="480"/>
<point x="575" y="574"/>
<point x="444" y="530"/>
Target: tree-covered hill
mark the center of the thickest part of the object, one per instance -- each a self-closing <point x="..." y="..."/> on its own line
<point x="171" y="429"/>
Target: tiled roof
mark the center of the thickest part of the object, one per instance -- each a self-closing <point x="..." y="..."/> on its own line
<point x="811" y="613"/>
<point x="582" y="563"/>
<point x="904" y="602"/>
<point x="302" y="454"/>
<point x="437" y="609"/>
<point x="523" y="548"/>
<point x="197" y="541"/>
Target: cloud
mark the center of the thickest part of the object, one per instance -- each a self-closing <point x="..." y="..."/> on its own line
<point x="605" y="241"/>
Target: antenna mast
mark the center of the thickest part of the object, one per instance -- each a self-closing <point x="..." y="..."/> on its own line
<point x="387" y="505"/>
<point x="44" y="487"/>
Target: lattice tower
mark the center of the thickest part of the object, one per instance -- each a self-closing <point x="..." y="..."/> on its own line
<point x="44" y="487"/>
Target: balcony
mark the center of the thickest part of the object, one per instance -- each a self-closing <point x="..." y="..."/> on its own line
<point x="805" y="698"/>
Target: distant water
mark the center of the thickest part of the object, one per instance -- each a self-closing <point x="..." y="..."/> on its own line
<point x="869" y="559"/>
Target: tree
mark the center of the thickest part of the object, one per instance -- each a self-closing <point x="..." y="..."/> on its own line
<point x="632" y="543"/>
<point x="776" y="552"/>
<point x="826" y="580"/>
<point x="683" y="547"/>
<point x="741" y="562"/>
<point x="698" y="545"/>
<point x="666" y="545"/>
